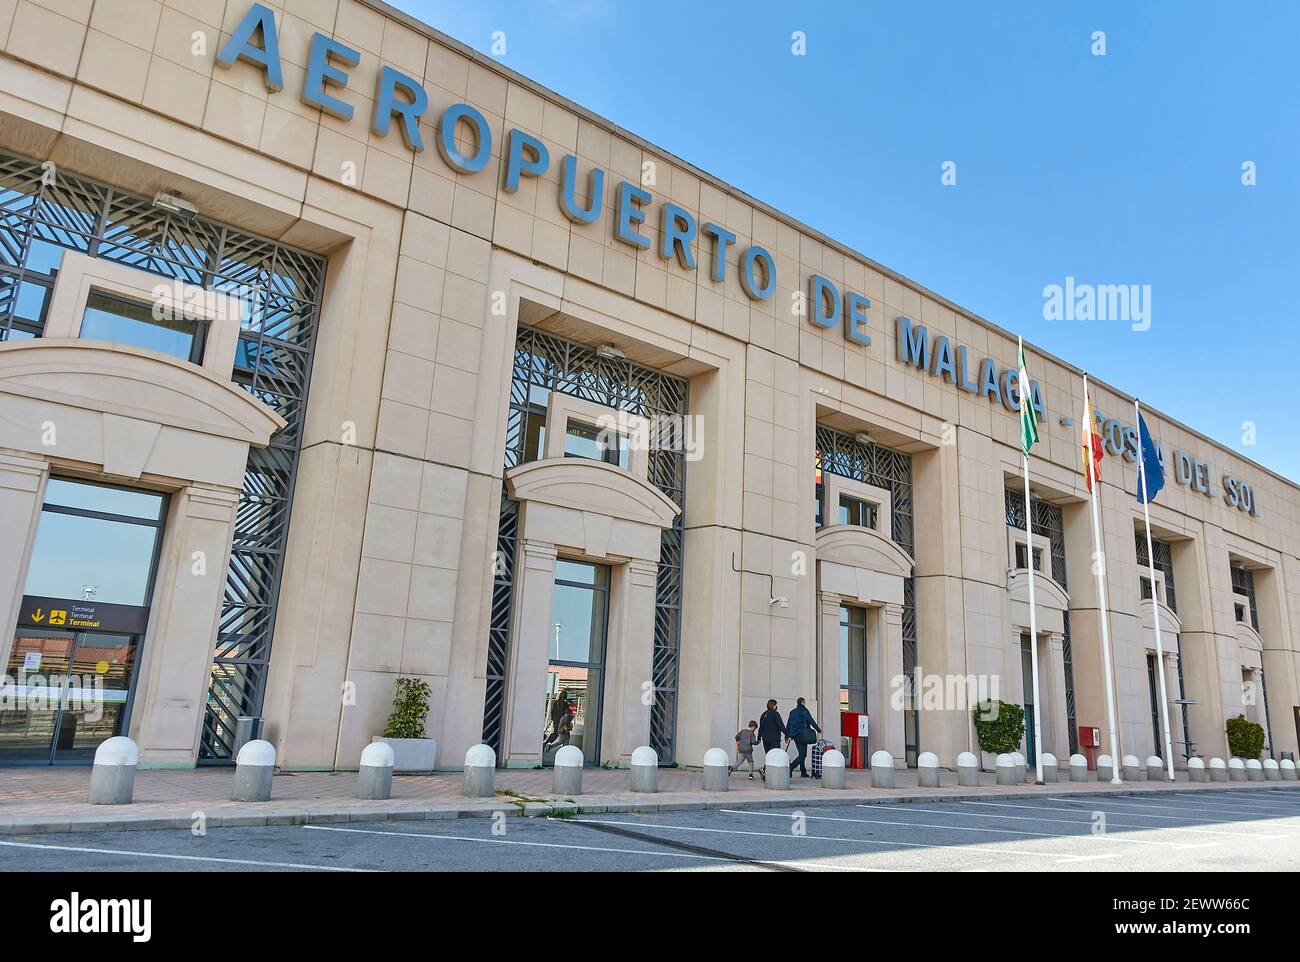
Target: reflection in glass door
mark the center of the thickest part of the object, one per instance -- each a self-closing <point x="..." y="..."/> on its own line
<point x="68" y="680"/>
<point x="575" y="673"/>
<point x="853" y="671"/>
<point x="68" y="692"/>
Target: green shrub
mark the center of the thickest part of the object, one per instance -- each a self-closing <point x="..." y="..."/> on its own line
<point x="1245" y="737"/>
<point x="999" y="726"/>
<point x="410" y="706"/>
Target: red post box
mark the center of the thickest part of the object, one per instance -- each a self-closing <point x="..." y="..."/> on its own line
<point x="853" y="726"/>
<point x="1089" y="742"/>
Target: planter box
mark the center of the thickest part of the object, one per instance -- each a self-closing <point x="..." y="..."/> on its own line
<point x="412" y="754"/>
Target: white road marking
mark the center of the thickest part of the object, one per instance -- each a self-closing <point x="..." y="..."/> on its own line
<point x="1252" y="805"/>
<point x="185" y="858"/>
<point x="1157" y="828"/>
<point x="833" y="838"/>
<point x="1173" y="818"/>
<point x="1246" y="818"/>
<point x="1061" y="821"/>
<point x="508" y="841"/>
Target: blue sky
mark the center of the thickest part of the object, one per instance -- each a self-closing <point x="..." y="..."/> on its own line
<point x="1116" y="169"/>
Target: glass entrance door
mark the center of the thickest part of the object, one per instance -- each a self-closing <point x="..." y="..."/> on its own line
<point x="67" y="692"/>
<point x="70" y="672"/>
<point x="575" y="674"/>
<point x="1027" y="677"/>
<point x="853" y="672"/>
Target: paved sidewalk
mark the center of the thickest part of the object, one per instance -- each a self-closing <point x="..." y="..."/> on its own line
<point x="41" y="800"/>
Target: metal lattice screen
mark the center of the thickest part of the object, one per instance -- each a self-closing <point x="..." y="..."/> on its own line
<point x="1243" y="583"/>
<point x="871" y="463"/>
<point x="44" y="212"/>
<point x="1164" y="559"/>
<point x="1049" y="523"/>
<point x="546" y="363"/>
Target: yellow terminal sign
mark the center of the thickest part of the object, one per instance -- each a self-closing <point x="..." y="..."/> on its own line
<point x="59" y="616"/>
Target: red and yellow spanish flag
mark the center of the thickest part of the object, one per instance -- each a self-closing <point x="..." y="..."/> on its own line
<point x="1091" y="447"/>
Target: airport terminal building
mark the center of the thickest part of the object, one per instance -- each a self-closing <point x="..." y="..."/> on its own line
<point x="333" y="352"/>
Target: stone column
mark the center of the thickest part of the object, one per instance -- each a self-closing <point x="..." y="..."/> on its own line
<point x="530" y="638"/>
<point x="886" y="721"/>
<point x="176" y="658"/>
<point x="1051" y="683"/>
<point x="629" y="661"/>
<point x="1175" y="710"/>
<point x="22" y="486"/>
<point x="828" y="668"/>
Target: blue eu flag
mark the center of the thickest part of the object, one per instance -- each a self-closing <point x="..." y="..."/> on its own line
<point x="1154" y="473"/>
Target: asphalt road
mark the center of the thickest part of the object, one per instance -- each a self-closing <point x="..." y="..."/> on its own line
<point x="1183" y="832"/>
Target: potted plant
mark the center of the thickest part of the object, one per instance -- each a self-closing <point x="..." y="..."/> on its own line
<point x="999" y="727"/>
<point x="1245" y="737"/>
<point x="404" y="732"/>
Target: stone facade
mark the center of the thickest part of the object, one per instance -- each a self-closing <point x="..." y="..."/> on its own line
<point x="431" y="272"/>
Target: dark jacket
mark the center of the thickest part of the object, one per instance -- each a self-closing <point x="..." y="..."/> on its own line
<point x="770" y="728"/>
<point x="801" y="720"/>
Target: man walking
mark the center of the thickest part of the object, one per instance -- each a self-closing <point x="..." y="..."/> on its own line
<point x="770" y="729"/>
<point x="801" y="729"/>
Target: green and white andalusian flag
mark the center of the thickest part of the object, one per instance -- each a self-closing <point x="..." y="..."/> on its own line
<point x="1028" y="419"/>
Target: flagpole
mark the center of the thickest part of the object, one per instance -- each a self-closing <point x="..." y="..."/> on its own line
<point x="1155" y="597"/>
<point x="1099" y="568"/>
<point x="1026" y="406"/>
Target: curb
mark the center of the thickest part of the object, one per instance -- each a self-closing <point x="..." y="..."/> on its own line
<point x="553" y="809"/>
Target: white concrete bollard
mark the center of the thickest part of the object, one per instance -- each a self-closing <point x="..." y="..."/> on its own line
<point x="1049" y="768"/>
<point x="927" y="770"/>
<point x="480" y="775"/>
<point x="1287" y="769"/>
<point x="375" y="773"/>
<point x="717" y="770"/>
<point x="1236" y="770"/>
<point x="1218" y="770"/>
<point x="1131" y="769"/>
<point x="776" y="769"/>
<point x="1021" y="765"/>
<point x="882" y="769"/>
<point x="1078" y="768"/>
<point x="112" y="780"/>
<point x="833" y="769"/>
<point x="968" y="770"/>
<point x="1007" y="769"/>
<point x="1156" y="769"/>
<point x="1105" y="768"/>
<point x="645" y="770"/>
<point x="1196" y="770"/>
<point x="253" y="770"/>
<point x="1272" y="773"/>
<point x="1254" y="770"/>
<point x="566" y="778"/>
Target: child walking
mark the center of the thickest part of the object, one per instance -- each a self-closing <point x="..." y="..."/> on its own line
<point x="746" y="738"/>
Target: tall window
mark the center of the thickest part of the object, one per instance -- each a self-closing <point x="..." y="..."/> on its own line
<point x="45" y="215"/>
<point x="575" y="674"/>
<point x="1049" y="523"/>
<point x="95" y="543"/>
<point x="1164" y="563"/>
<point x="845" y="455"/>
<point x="546" y="363"/>
<point x="853" y="665"/>
<point x="75" y="648"/>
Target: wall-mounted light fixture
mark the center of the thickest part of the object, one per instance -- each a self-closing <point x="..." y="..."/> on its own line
<point x="175" y="204"/>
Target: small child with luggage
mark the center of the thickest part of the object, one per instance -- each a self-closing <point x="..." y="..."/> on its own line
<point x="819" y="748"/>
